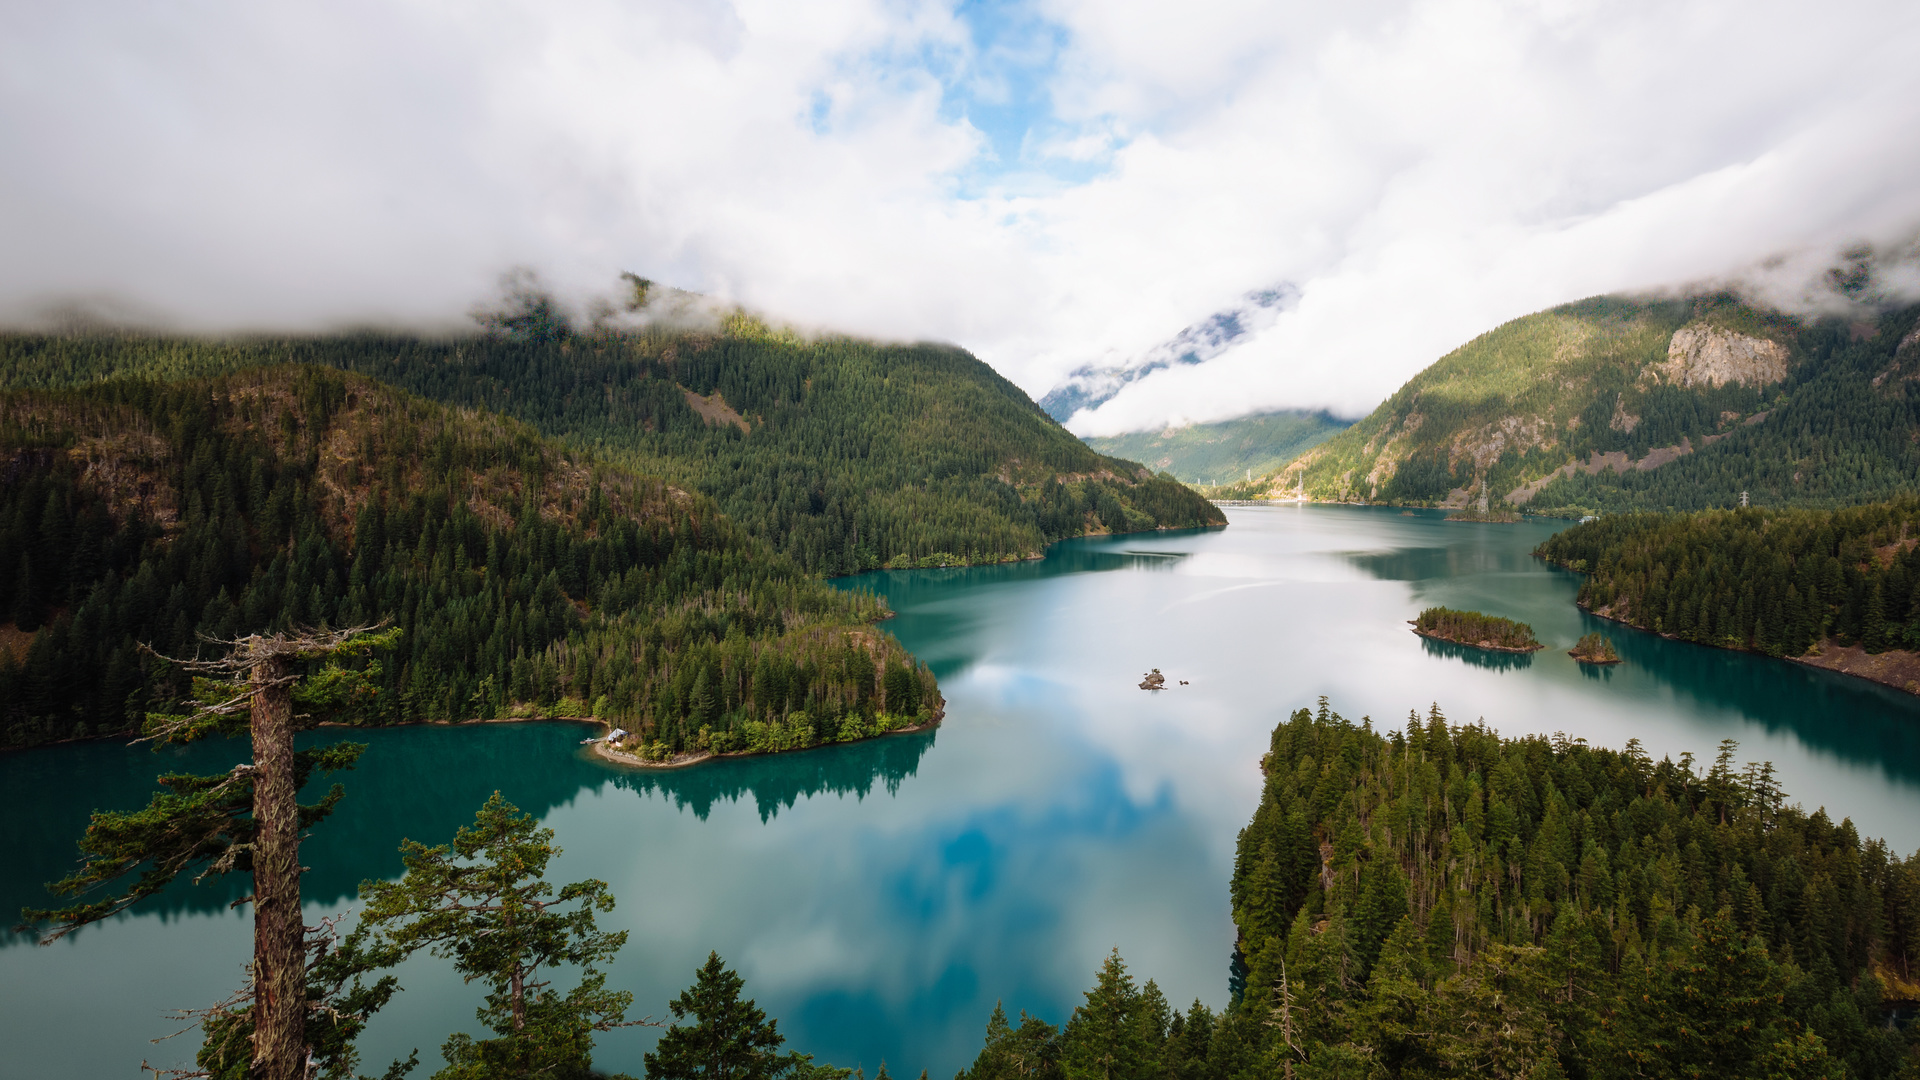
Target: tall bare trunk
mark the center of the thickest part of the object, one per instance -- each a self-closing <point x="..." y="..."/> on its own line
<point x="279" y="955"/>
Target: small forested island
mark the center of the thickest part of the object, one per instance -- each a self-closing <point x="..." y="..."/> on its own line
<point x="1836" y="589"/>
<point x="1476" y="630"/>
<point x="1495" y="517"/>
<point x="1594" y="649"/>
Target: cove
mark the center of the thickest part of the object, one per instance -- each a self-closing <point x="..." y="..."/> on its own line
<point x="879" y="897"/>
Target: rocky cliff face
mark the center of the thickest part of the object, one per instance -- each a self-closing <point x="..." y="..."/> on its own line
<point x="1703" y="355"/>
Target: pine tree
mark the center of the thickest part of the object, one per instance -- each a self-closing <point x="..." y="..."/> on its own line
<point x="729" y="1039"/>
<point x="1111" y="1037"/>
<point x="1028" y="1052"/>
<point x="247" y="819"/>
<point x="484" y="902"/>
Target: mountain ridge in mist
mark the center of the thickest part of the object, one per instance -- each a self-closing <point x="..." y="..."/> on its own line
<point x="1618" y="403"/>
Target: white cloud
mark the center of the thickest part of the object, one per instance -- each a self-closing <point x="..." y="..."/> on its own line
<point x="1421" y="169"/>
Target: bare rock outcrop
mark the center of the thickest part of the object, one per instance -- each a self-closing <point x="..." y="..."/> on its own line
<point x="1908" y="342"/>
<point x="1702" y="355"/>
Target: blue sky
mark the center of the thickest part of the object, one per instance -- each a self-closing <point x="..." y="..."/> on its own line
<point x="1005" y="90"/>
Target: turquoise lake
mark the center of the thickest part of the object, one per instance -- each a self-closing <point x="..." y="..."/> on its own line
<point x="880" y="897"/>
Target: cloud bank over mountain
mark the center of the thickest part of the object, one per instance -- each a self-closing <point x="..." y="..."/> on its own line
<point x="1055" y="184"/>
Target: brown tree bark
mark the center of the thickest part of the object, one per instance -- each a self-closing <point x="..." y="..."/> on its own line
<point x="279" y="932"/>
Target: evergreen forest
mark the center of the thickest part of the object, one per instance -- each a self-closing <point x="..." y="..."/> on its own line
<point x="1832" y="425"/>
<point x="1227" y="452"/>
<point x="1476" y="629"/>
<point x="1445" y="902"/>
<point x="1772" y="581"/>
<point x="141" y="520"/>
<point x="844" y="455"/>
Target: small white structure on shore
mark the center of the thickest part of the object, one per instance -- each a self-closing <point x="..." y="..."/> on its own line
<point x="611" y="736"/>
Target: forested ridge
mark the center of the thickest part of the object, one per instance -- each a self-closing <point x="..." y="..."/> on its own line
<point x="1772" y="581"/>
<point x="526" y="579"/>
<point x="1711" y="395"/>
<point x="1225" y="452"/>
<point x="845" y="455"/>
<point x="1445" y="902"/>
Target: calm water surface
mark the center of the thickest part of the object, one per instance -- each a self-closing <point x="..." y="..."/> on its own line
<point x="879" y="898"/>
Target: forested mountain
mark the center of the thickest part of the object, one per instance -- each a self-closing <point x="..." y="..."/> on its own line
<point x="845" y="455"/>
<point x="1807" y="584"/>
<point x="1615" y="403"/>
<point x="1225" y="452"/>
<point x="526" y="578"/>
<point x="1443" y="902"/>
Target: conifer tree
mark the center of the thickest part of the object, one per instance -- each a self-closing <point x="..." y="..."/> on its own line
<point x="729" y="1039"/>
<point x="248" y="819"/>
<point x="483" y="901"/>
<point x="1117" y="1034"/>
<point x="1028" y="1052"/>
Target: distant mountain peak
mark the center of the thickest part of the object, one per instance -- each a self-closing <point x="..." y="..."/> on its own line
<point x="1093" y="384"/>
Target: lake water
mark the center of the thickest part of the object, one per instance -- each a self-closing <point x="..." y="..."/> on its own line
<point x="880" y="897"/>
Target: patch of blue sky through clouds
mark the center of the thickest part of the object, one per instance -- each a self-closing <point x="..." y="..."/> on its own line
<point x="1001" y="82"/>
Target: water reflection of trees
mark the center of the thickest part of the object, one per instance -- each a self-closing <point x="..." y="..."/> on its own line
<point x="420" y="783"/>
<point x="1851" y="718"/>
<point x="1444" y="563"/>
<point x="904" y="588"/>
<point x="778" y="781"/>
<point x="1482" y="658"/>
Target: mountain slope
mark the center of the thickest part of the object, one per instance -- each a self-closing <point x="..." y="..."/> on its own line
<point x="845" y="455"/>
<point x="525" y="579"/>
<point x="1225" y="452"/>
<point x="1615" y="403"/>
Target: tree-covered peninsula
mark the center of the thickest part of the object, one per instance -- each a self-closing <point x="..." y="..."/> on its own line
<point x="1834" y="588"/>
<point x="526" y="579"/>
<point x="844" y="455"/>
<point x="1443" y="902"/>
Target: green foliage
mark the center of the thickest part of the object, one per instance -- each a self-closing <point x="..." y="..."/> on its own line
<point x="1224" y="453"/>
<point x="1773" y="581"/>
<point x="1445" y="903"/>
<point x="1474" y="628"/>
<point x="1028" y="1052"/>
<point x="247" y="820"/>
<point x="1121" y="1030"/>
<point x="525" y="581"/>
<point x="1124" y="1031"/>
<point x="730" y="1038"/>
<point x="1480" y="906"/>
<point x="205" y="823"/>
<point x="340" y="1001"/>
<point x="196" y="822"/>
<point x="1594" y="649"/>
<point x="1556" y="387"/>
<point x="483" y="901"/>
<point x="842" y="454"/>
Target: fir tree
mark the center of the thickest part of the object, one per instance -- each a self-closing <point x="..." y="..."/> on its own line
<point x="730" y="1038"/>
<point x="483" y="901"/>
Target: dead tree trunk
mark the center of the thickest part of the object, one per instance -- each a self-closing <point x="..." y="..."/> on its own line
<point x="279" y="933"/>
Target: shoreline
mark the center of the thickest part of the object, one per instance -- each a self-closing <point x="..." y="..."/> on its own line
<point x="129" y="736"/>
<point x="1853" y="661"/>
<point x="1031" y="556"/>
<point x="1479" y="645"/>
<point x="600" y="749"/>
